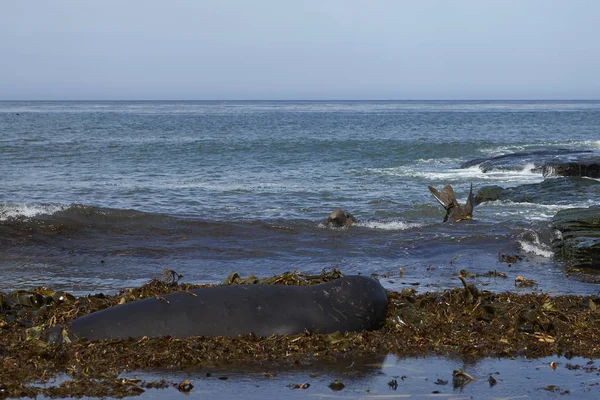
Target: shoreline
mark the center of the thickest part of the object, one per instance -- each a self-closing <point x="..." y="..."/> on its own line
<point x="467" y="323"/>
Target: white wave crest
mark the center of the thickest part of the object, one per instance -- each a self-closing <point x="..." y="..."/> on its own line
<point x="461" y="175"/>
<point x="538" y="249"/>
<point x="530" y="211"/>
<point x="501" y="150"/>
<point x="9" y="211"/>
<point x="440" y="161"/>
<point x="530" y="243"/>
<point x="390" y="226"/>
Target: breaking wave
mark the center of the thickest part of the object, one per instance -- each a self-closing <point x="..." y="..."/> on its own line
<point x="391" y="226"/>
<point x="530" y="242"/>
<point x="14" y="211"/>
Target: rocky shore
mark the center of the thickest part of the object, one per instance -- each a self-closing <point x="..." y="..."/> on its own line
<point x="577" y="237"/>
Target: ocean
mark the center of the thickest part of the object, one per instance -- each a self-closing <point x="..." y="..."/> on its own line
<point x="102" y="196"/>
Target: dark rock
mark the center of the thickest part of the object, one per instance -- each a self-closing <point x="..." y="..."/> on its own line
<point x="577" y="237"/>
<point x="489" y="193"/>
<point x="336" y="385"/>
<point x="561" y="191"/>
<point x="520" y="160"/>
<point x="589" y="167"/>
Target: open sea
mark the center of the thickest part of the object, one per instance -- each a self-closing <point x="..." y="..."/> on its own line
<point x="102" y="196"/>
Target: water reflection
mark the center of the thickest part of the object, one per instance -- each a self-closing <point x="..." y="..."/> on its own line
<point x="389" y="377"/>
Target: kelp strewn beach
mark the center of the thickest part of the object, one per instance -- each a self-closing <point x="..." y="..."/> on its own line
<point x="466" y="322"/>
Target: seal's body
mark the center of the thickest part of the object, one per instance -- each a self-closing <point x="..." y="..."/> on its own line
<point x="348" y="304"/>
<point x="454" y="211"/>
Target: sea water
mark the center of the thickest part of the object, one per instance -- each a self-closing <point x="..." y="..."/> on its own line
<point x="101" y="196"/>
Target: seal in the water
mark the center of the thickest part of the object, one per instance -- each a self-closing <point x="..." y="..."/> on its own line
<point x="340" y="218"/>
<point x="454" y="211"/>
<point x="348" y="304"/>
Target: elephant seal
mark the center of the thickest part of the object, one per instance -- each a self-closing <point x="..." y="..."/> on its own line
<point x="340" y="219"/>
<point x="454" y="211"/>
<point x="347" y="304"/>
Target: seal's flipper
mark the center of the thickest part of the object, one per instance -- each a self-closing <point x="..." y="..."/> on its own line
<point x="446" y="197"/>
<point x="454" y="211"/>
<point x="449" y="192"/>
<point x="470" y="202"/>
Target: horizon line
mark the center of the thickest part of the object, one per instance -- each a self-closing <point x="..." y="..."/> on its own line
<point x="293" y="100"/>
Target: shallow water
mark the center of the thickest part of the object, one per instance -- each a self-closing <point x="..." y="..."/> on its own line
<point x="416" y="378"/>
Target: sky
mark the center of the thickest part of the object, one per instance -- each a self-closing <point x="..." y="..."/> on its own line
<point x="299" y="49"/>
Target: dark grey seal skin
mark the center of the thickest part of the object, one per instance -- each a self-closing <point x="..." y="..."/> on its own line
<point x="340" y="219"/>
<point x="348" y="304"/>
<point x="454" y="211"/>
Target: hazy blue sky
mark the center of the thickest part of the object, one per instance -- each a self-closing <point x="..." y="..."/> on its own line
<point x="299" y="49"/>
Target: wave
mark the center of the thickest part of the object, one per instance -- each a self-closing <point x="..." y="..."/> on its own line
<point x="581" y="144"/>
<point x="462" y="175"/>
<point x="530" y="242"/>
<point x="72" y="217"/>
<point x="508" y="209"/>
<point x="390" y="226"/>
<point x="523" y="175"/>
<point x="16" y="211"/>
<point x="504" y="149"/>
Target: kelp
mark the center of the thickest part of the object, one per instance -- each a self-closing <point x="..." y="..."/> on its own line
<point x="466" y="322"/>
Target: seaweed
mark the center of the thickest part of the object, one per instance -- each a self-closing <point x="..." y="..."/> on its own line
<point x="466" y="322"/>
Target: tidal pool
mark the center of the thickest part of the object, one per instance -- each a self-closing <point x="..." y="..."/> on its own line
<point x="389" y="378"/>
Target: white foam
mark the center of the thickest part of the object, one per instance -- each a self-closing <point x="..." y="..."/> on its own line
<point x="536" y="246"/>
<point x="441" y="160"/>
<point x="509" y="149"/>
<point x="524" y="175"/>
<point x="501" y="150"/>
<point x="532" y="211"/>
<point x="525" y="211"/>
<point x="390" y="226"/>
<point x="451" y="174"/>
<point x="460" y="175"/>
<point x="385" y="226"/>
<point x="8" y="211"/>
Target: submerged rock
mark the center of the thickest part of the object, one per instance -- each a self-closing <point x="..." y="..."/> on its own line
<point x="489" y="193"/>
<point x="577" y="236"/>
<point x="563" y="191"/>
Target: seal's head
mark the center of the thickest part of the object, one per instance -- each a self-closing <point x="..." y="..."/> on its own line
<point x="340" y="218"/>
<point x="454" y="211"/>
